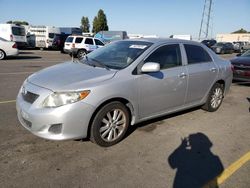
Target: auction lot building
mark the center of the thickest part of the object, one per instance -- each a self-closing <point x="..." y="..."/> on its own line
<point x="234" y="37"/>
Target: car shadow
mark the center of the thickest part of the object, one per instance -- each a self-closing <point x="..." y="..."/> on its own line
<point x="241" y="83"/>
<point x="26" y="52"/>
<point x="150" y="125"/>
<point x="196" y="166"/>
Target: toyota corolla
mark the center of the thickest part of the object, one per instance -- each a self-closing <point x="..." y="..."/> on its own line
<point x="119" y="85"/>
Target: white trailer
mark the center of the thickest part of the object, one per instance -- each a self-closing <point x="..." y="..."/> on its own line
<point x="44" y="35"/>
<point x="184" y="37"/>
<point x="15" y="33"/>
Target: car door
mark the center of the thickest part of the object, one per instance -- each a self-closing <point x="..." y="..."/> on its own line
<point x="90" y="43"/>
<point x="164" y="90"/>
<point x="202" y="72"/>
<point x="98" y="43"/>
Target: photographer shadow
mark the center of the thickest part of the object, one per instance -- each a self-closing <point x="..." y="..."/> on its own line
<point x="196" y="165"/>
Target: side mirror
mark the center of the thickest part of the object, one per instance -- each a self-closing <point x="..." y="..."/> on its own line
<point x="238" y="55"/>
<point x="150" y="67"/>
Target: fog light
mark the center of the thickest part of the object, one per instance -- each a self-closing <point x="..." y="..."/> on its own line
<point x="56" y="128"/>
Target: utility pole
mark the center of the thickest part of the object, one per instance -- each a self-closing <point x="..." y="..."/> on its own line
<point x="206" y="20"/>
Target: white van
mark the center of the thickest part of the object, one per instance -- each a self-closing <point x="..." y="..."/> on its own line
<point x="15" y="33"/>
<point x="44" y="35"/>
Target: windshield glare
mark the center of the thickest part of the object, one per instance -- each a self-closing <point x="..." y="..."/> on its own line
<point x="118" y="55"/>
<point x="246" y="54"/>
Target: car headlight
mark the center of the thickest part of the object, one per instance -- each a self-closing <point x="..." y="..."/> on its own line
<point x="62" y="98"/>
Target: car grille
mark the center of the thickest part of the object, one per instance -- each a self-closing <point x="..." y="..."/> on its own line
<point x="27" y="123"/>
<point x="241" y="67"/>
<point x="30" y="97"/>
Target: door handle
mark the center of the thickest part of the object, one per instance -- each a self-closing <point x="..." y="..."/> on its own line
<point x="212" y="69"/>
<point x="182" y="75"/>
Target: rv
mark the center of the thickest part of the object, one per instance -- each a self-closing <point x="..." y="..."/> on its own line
<point x="44" y="35"/>
<point x="15" y="33"/>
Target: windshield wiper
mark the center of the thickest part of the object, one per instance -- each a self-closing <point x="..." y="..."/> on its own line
<point x="100" y="64"/>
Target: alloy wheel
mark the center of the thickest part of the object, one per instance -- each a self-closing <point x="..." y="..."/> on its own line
<point x="216" y="97"/>
<point x="113" y="125"/>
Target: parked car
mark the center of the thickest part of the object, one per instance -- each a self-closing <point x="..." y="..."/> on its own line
<point x="79" y="46"/>
<point x="241" y="64"/>
<point x="209" y="43"/>
<point x="121" y="84"/>
<point x="7" y="48"/>
<point x="58" y="41"/>
<point x="246" y="46"/>
<point x="223" y="48"/>
<point x="241" y="46"/>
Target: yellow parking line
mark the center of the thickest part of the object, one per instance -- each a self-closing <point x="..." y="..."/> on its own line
<point x="233" y="168"/>
<point x="5" y="102"/>
<point x="229" y="171"/>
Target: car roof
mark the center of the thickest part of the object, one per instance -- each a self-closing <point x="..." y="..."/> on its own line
<point x="164" y="40"/>
<point x="80" y="36"/>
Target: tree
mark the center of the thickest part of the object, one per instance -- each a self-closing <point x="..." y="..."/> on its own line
<point x="95" y="23"/>
<point x="85" y="24"/>
<point x="18" y="22"/>
<point x="240" y="31"/>
<point x="100" y="22"/>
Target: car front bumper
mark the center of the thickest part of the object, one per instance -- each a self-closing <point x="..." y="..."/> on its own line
<point x="62" y="123"/>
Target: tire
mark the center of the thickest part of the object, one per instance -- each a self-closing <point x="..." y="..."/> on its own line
<point x="215" y="98"/>
<point x="81" y="53"/>
<point x="110" y="124"/>
<point x="2" y="54"/>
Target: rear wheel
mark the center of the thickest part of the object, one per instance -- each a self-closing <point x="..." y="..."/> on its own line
<point x="215" y="98"/>
<point x="110" y="124"/>
<point x="2" y="54"/>
<point x="81" y="54"/>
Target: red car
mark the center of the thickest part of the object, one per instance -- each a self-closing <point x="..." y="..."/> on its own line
<point x="241" y="66"/>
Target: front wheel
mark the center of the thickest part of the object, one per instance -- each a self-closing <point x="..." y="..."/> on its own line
<point x="110" y="124"/>
<point x="215" y="98"/>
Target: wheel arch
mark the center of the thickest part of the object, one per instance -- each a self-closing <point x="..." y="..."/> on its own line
<point x="3" y="52"/>
<point x="124" y="101"/>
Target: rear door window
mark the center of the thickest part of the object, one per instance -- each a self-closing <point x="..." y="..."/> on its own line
<point x="69" y="39"/>
<point x="196" y="54"/>
<point x="89" y="41"/>
<point x="18" y="31"/>
<point x="78" y="39"/>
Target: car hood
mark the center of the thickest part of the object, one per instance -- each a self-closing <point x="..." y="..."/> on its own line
<point x="70" y="76"/>
<point x="241" y="60"/>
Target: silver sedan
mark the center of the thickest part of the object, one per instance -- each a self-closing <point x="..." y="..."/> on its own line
<point x="119" y="85"/>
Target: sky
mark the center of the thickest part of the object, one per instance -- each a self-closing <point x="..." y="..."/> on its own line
<point x="149" y="17"/>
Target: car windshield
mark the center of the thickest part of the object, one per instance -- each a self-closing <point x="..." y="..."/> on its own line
<point x="246" y="54"/>
<point x="118" y="55"/>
